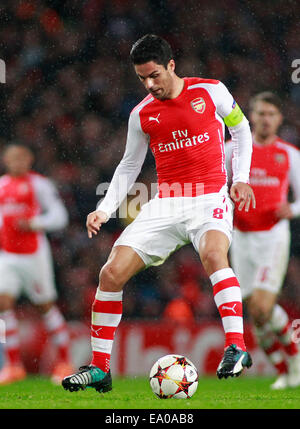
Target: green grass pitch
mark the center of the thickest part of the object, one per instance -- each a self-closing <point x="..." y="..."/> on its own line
<point x="246" y="392"/>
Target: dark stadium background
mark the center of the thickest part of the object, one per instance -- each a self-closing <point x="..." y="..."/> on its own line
<point x="70" y="88"/>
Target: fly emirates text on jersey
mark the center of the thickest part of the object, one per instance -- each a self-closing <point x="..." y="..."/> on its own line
<point x="181" y="140"/>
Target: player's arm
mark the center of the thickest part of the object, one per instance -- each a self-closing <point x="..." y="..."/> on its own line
<point x="54" y="215"/>
<point x="228" y="159"/>
<point x="124" y="176"/>
<point x="290" y="210"/>
<point x="241" y="138"/>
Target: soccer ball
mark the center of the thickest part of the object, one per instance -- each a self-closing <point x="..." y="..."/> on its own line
<point x="173" y="376"/>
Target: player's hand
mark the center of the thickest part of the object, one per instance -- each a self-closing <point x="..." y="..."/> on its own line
<point x="24" y="225"/>
<point x="284" y="211"/>
<point x="243" y="193"/>
<point x="94" y="222"/>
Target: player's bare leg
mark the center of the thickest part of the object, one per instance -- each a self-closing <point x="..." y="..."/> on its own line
<point x="213" y="251"/>
<point x="122" y="264"/>
<point x="274" y="335"/>
<point x="13" y="369"/>
<point x="260" y="305"/>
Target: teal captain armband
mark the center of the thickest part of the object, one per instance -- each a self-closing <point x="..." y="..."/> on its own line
<point x="235" y="116"/>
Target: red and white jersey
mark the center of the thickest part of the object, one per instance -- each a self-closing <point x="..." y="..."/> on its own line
<point x="33" y="197"/>
<point x="186" y="136"/>
<point x="274" y="168"/>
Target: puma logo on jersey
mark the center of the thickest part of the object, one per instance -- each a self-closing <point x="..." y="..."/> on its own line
<point x="225" y="307"/>
<point x="152" y="118"/>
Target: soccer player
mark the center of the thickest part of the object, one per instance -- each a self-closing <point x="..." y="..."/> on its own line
<point x="261" y="240"/>
<point x="182" y="120"/>
<point x="29" y="207"/>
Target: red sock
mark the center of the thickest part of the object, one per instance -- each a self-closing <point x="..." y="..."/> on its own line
<point x="106" y="316"/>
<point x="269" y="343"/>
<point x="58" y="331"/>
<point x="282" y="327"/>
<point x="12" y="342"/>
<point x="227" y="295"/>
<point x="276" y="356"/>
<point x="286" y="339"/>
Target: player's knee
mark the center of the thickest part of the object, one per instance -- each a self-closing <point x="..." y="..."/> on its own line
<point x="6" y="302"/>
<point x="110" y="278"/>
<point x="260" y="312"/>
<point x="45" y="307"/>
<point x="212" y="260"/>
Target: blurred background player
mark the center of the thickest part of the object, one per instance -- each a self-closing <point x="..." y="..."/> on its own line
<point x="261" y="240"/>
<point x="29" y="207"/>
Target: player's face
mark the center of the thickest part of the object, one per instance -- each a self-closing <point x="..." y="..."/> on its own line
<point x="17" y="160"/>
<point x="266" y="119"/>
<point x="157" y="79"/>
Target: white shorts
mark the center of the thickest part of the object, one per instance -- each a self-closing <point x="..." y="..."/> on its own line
<point x="166" y="224"/>
<point x="32" y="274"/>
<point x="260" y="258"/>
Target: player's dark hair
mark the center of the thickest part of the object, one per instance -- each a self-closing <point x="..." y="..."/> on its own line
<point x="267" y="97"/>
<point x="151" y="48"/>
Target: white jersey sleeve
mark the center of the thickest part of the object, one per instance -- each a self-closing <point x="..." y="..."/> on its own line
<point x="54" y="215"/>
<point x="294" y="177"/>
<point x="241" y="151"/>
<point x="239" y="130"/>
<point x="228" y="160"/>
<point x="129" y="168"/>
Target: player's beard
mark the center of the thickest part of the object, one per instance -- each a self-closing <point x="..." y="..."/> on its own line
<point x="162" y="94"/>
<point x="159" y="93"/>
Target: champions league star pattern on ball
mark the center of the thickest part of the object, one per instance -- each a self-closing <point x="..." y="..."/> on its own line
<point x="174" y="376"/>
